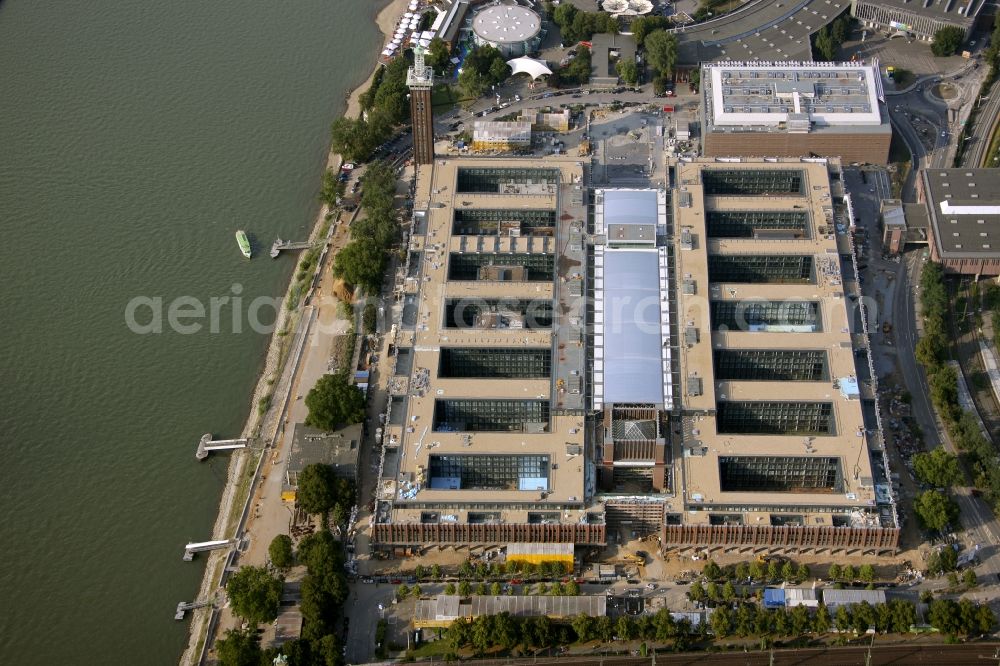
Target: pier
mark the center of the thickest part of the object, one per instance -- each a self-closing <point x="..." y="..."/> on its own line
<point x="203" y="546"/>
<point x="206" y="445"/>
<point x="280" y="245"/>
<point x="185" y="606"/>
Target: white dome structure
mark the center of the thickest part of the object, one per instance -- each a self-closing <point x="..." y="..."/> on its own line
<point x="530" y="66"/>
<point x="512" y="29"/>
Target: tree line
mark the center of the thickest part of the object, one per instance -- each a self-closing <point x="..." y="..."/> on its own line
<point x="362" y="261"/>
<point x="743" y="620"/>
<point x="384" y="106"/>
<point x="255" y="595"/>
<point x="932" y="350"/>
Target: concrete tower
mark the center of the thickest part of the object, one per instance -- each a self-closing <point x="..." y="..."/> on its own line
<point x="420" y="80"/>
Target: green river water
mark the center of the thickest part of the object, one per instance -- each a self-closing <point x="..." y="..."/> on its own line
<point x="135" y="138"/>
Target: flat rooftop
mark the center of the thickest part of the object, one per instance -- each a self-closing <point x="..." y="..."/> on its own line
<point x="768" y="411"/>
<point x="470" y="437"/>
<point x="793" y="97"/>
<point x="964" y="207"/>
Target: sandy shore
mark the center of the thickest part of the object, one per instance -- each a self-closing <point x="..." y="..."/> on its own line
<point x="386" y="20"/>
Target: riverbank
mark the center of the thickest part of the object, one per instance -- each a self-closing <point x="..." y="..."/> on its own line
<point x="244" y="470"/>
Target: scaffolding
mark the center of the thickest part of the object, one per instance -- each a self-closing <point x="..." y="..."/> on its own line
<point x="495" y="363"/>
<point x="790" y="474"/>
<point x="754" y="182"/>
<point x="761" y="268"/>
<point x="757" y="223"/>
<point x="775" y="418"/>
<point x="771" y="365"/>
<point x="491" y="415"/>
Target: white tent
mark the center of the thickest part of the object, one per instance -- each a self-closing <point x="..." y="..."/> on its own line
<point x="530" y="66"/>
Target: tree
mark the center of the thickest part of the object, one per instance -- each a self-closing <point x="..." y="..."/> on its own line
<point x="465" y="588"/>
<point x="938" y="468"/>
<point x="824" y="46"/>
<point x="481" y="589"/>
<point x="711" y="571"/>
<point x="721" y="621"/>
<point x="417" y="592"/>
<point x="316" y="492"/>
<point x="800" y="620"/>
<point x="625" y="628"/>
<point x="353" y="138"/>
<point x="583" y="624"/>
<point x="695" y="79"/>
<point x="604" y="629"/>
<point x="803" y="573"/>
<point x="969" y="578"/>
<point x="571" y="589"/>
<point x="628" y="71"/>
<point x="644" y="25"/>
<point x="947" y="41"/>
<point x="483" y="67"/>
<point x="834" y="573"/>
<point x="254" y="594"/>
<point x="361" y="263"/>
<point x="449" y="589"/>
<point x="436" y="572"/>
<point x="848" y="574"/>
<point x="728" y="592"/>
<point x="712" y="591"/>
<point x="742" y="572"/>
<point x="696" y="592"/>
<point x="437" y="54"/>
<point x="756" y="571"/>
<point x="495" y="589"/>
<point x="661" y="52"/>
<point x="843" y="618"/>
<point x="331" y="189"/>
<point x="773" y="570"/>
<point x="821" y="621"/>
<point x="866" y="573"/>
<point x="459" y="633"/>
<point x="333" y="401"/>
<point x="935" y="510"/>
<point x="280" y="551"/>
<point x="239" y="648"/>
<point x="403" y="591"/>
<point x="788" y="571"/>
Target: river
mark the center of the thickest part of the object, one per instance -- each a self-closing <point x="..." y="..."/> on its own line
<point x="135" y="138"/>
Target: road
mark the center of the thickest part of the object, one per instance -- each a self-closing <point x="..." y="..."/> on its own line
<point x="982" y="131"/>
<point x="977" y="517"/>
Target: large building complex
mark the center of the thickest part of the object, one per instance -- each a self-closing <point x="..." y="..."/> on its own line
<point x="775" y="446"/>
<point x="486" y="432"/>
<point x="795" y="110"/>
<point x="963" y="215"/>
<point x="678" y="362"/>
<point x="919" y="18"/>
